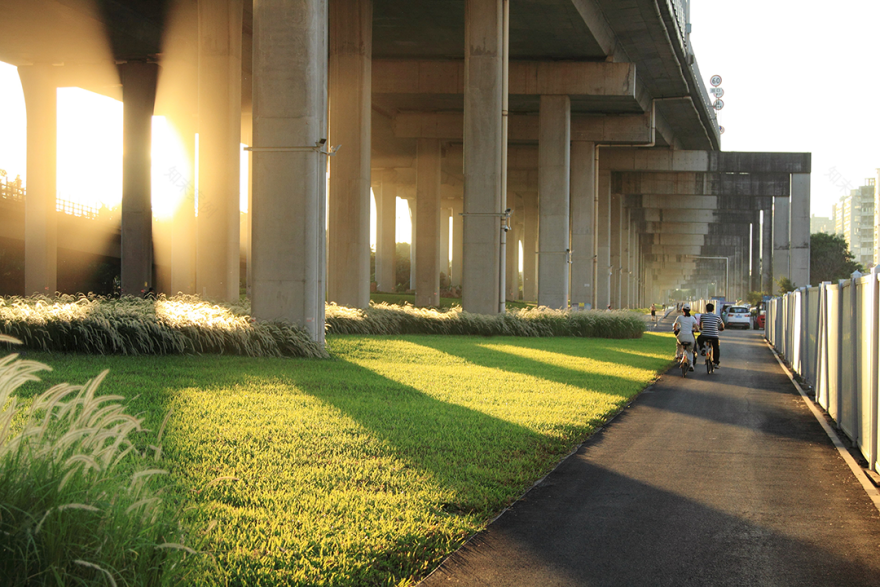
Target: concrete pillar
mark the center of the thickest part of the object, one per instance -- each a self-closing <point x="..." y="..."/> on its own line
<point x="217" y="245"/>
<point x="755" y="277"/>
<point x="138" y="96"/>
<point x="603" y="238"/>
<point x="445" y="215"/>
<point x="583" y="223"/>
<point x="780" y="241"/>
<point x="511" y="257"/>
<point x="183" y="245"/>
<point x="530" y="247"/>
<point x="177" y="98"/>
<point x="650" y="296"/>
<point x="457" y="242"/>
<point x="40" y="223"/>
<point x="554" y="176"/>
<point x="386" y="220"/>
<point x="428" y="222"/>
<point x="247" y="138"/>
<point x="413" y="207"/>
<point x="624" y="256"/>
<point x="767" y="251"/>
<point x="615" y="237"/>
<point x="800" y="229"/>
<point x="290" y="105"/>
<point x="351" y="43"/>
<point x="484" y="161"/>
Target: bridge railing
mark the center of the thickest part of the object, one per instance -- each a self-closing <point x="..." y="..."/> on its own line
<point x="13" y="191"/>
<point x="829" y="337"/>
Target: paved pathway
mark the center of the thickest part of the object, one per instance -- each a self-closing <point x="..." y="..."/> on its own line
<point x="710" y="480"/>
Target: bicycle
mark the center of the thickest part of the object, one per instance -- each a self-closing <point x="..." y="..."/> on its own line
<point x="685" y="362"/>
<point x="710" y="357"/>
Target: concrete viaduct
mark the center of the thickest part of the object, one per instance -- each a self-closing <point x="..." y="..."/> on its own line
<point x="586" y="119"/>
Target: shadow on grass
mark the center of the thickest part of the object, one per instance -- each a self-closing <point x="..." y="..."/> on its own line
<point x="481" y="353"/>
<point x="485" y="461"/>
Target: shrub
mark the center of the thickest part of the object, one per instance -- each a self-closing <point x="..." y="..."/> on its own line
<point x="389" y="319"/>
<point x="133" y="326"/>
<point x="76" y="506"/>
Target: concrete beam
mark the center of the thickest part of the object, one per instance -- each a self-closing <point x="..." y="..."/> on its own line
<point x="674" y="239"/>
<point x="673" y="227"/>
<point x="703" y="161"/>
<point x="689" y="215"/>
<point x="608" y="129"/>
<point x="534" y="78"/>
<point x="694" y="183"/>
<point x="672" y="250"/>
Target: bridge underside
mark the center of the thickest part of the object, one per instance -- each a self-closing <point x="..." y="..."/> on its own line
<point x="586" y="119"/>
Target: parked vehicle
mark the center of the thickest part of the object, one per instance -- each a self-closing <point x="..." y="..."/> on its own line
<point x="759" y="315"/>
<point x="737" y="316"/>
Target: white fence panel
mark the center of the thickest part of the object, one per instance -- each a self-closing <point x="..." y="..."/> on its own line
<point x="864" y="289"/>
<point x="847" y="421"/>
<point x="811" y="342"/>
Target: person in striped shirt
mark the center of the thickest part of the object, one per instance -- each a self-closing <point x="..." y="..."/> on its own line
<point x="710" y="326"/>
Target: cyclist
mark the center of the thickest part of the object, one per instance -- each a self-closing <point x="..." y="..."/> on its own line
<point x="710" y="326"/>
<point x="684" y="327"/>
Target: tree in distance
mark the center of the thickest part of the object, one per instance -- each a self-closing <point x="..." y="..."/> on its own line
<point x="830" y="258"/>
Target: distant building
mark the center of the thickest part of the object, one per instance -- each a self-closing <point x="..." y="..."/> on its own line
<point x="854" y="220"/>
<point x="877" y="220"/>
<point x="821" y="224"/>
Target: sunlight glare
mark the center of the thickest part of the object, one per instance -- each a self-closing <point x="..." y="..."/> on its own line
<point x="13" y="146"/>
<point x="89" y="148"/>
<point x="170" y="170"/>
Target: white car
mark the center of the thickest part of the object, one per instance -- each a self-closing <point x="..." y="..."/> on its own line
<point x="737" y="316"/>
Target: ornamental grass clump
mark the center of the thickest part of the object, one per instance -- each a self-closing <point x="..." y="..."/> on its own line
<point x="76" y="500"/>
<point x="398" y="320"/>
<point x="133" y="326"/>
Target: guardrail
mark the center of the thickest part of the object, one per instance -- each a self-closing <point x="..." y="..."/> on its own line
<point x="829" y="337"/>
<point x="15" y="192"/>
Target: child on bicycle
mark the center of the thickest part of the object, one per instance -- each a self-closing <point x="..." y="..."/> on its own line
<point x="684" y="328"/>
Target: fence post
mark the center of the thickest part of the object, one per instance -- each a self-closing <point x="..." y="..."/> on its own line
<point x="873" y="357"/>
<point x="839" y="335"/>
<point x="854" y="359"/>
<point x="821" y="386"/>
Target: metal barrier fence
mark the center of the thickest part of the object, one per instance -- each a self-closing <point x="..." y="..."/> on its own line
<point x="829" y="337"/>
<point x="15" y="192"/>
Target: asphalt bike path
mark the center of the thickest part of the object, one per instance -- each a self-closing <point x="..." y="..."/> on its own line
<point x="722" y="479"/>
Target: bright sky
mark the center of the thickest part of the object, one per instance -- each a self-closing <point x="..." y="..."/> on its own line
<point x="797" y="76"/>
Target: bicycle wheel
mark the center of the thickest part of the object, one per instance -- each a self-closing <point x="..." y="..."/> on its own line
<point x="710" y="366"/>
<point x="685" y="365"/>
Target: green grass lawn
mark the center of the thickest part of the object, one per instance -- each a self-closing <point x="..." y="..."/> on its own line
<point x="371" y="467"/>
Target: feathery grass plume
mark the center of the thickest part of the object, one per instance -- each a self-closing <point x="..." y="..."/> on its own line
<point x="182" y="324"/>
<point x="392" y="319"/>
<point x="76" y="505"/>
